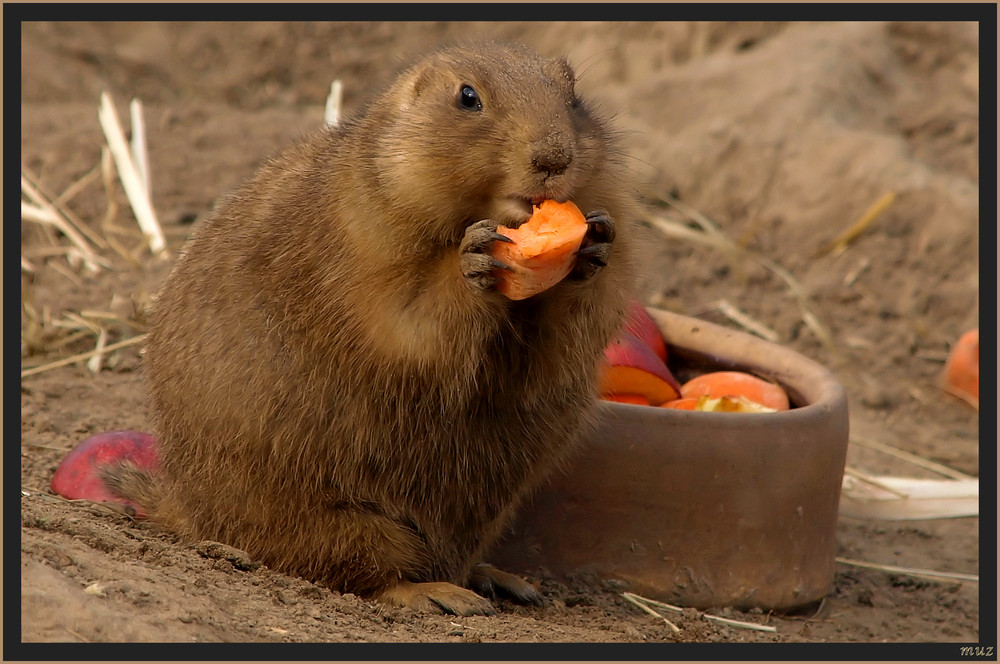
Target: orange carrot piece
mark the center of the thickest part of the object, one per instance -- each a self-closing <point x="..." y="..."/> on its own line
<point x="632" y="367"/>
<point x="685" y="403"/>
<point x="735" y="384"/>
<point x="543" y="249"/>
<point x="961" y="371"/>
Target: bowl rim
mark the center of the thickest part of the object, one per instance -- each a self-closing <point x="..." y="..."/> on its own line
<point x="806" y="381"/>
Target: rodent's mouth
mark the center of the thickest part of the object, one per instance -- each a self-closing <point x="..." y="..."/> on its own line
<point x="527" y="203"/>
<point x="512" y="211"/>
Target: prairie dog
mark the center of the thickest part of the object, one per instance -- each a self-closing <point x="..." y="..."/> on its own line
<point x="337" y="387"/>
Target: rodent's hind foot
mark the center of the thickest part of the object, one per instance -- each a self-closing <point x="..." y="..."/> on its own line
<point x="595" y="250"/>
<point x="437" y="597"/>
<point x="478" y="267"/>
<point x="487" y="580"/>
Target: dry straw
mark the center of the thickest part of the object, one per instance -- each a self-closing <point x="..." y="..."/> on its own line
<point x="648" y="604"/>
<point x="710" y="235"/>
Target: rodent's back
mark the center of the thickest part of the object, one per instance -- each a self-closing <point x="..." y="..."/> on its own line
<point x="318" y="346"/>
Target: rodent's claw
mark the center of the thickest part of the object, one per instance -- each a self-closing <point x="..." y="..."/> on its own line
<point x="480" y="269"/>
<point x="480" y="236"/>
<point x="600" y="226"/>
<point x="437" y="597"/>
<point x="478" y="266"/>
<point x="596" y="253"/>
<point x="489" y="581"/>
<point x="595" y="250"/>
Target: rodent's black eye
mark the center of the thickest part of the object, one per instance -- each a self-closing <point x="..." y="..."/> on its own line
<point x="468" y="99"/>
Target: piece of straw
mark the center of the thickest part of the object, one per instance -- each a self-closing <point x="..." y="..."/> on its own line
<point x="129" y="175"/>
<point x="707" y="616"/>
<point x="71" y="191"/>
<point x="746" y="322"/>
<point x="921" y="499"/>
<point x="712" y="237"/>
<point x="331" y="114"/>
<point x="66" y="272"/>
<point x="941" y="469"/>
<point x="869" y="479"/>
<point x="31" y="371"/>
<point x="42" y="212"/>
<point x="634" y="600"/>
<point x="853" y="275"/>
<point x="138" y="145"/>
<point x="839" y="244"/>
<point x="930" y="574"/>
<point x="42" y="197"/>
<point x="95" y="362"/>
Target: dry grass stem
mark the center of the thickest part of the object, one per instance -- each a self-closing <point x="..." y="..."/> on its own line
<point x="839" y="244"/>
<point x="854" y="274"/>
<point x="138" y="146"/>
<point x="331" y="114"/>
<point x="38" y="195"/>
<point x="711" y="236"/>
<point x="95" y="362"/>
<point x="938" y="468"/>
<point x="739" y="623"/>
<point x="108" y="178"/>
<point x="130" y="178"/>
<point x="43" y="213"/>
<point x="931" y="574"/>
<point x="654" y="602"/>
<point x="76" y="322"/>
<point x="634" y="600"/>
<point x="66" y="272"/>
<point x="874" y="481"/>
<point x="58" y="343"/>
<point x="27" y="265"/>
<point x="746" y="322"/>
<point x="111" y="316"/>
<point x="879" y="498"/>
<point x="71" y="191"/>
<point x="646" y="601"/>
<point x="31" y="371"/>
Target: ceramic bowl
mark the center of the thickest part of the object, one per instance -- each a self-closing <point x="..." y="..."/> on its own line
<point x="700" y="509"/>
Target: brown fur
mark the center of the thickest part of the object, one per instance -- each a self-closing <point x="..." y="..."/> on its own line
<point x="330" y="394"/>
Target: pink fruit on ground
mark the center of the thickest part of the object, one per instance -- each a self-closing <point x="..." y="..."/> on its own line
<point x="632" y="367"/>
<point x="78" y="476"/>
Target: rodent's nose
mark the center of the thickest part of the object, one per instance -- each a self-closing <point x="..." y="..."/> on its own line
<point x="553" y="154"/>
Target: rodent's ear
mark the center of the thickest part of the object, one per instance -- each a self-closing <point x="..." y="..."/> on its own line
<point x="560" y="70"/>
<point x="414" y="83"/>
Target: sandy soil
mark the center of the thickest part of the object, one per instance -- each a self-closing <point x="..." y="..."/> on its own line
<point x="783" y="134"/>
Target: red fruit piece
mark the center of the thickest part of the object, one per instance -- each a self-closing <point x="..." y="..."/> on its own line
<point x="641" y="324"/>
<point x="631" y="367"/>
<point x="636" y="399"/>
<point x="78" y="476"/>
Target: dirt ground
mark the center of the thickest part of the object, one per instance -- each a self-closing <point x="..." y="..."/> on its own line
<point x="783" y="134"/>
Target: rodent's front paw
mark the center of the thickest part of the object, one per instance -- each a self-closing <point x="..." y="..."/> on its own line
<point x="595" y="250"/>
<point x="478" y="267"/>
